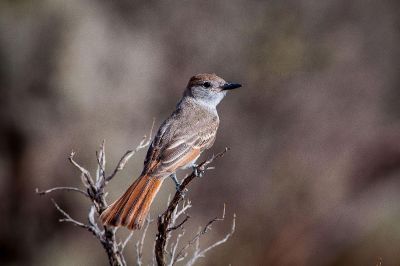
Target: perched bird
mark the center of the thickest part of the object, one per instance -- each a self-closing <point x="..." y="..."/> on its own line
<point x="180" y="140"/>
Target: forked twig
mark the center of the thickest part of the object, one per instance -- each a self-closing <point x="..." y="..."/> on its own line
<point x="88" y="181"/>
<point x="179" y="225"/>
<point x="167" y="222"/>
<point x="201" y="253"/>
<point x="164" y="220"/>
<point x="95" y="192"/>
<point x="67" y="217"/>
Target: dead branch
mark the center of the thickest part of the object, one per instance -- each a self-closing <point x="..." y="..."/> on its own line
<point x="179" y="225"/>
<point x="44" y="192"/>
<point x="164" y="220"/>
<point x="140" y="243"/>
<point x="169" y="221"/>
<point x="95" y="193"/>
<point x="67" y="217"/>
<point x="88" y="181"/>
<point x="198" y="253"/>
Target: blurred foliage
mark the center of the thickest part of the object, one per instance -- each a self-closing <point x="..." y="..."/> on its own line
<point x="313" y="173"/>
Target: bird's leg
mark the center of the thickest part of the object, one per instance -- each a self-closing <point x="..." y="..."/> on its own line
<point x="175" y="179"/>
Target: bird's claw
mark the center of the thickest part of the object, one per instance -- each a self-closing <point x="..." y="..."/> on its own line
<point x="197" y="171"/>
<point x="178" y="187"/>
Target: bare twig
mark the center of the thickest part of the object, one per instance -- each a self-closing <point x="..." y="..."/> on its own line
<point x="140" y="243"/>
<point x="121" y="164"/>
<point x="67" y="217"/>
<point x="127" y="239"/>
<point x="174" y="248"/>
<point x="185" y="207"/>
<point x="174" y="217"/>
<point x="179" y="225"/>
<point x="164" y="220"/>
<point x="88" y="181"/>
<point x="201" y="253"/>
<point x="101" y="164"/>
<point x="124" y="159"/>
<point x="196" y="238"/>
<point x="44" y="192"/>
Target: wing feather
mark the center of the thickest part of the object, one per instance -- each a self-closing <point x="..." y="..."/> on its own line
<point x="179" y="141"/>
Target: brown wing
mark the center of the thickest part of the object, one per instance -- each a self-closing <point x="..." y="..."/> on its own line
<point x="184" y="150"/>
<point x="177" y="143"/>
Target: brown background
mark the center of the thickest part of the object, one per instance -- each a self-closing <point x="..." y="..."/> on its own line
<point x="313" y="174"/>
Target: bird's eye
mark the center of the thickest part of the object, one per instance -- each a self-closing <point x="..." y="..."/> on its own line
<point x="207" y="84"/>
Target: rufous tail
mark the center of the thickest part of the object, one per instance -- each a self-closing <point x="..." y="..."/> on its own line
<point x="131" y="208"/>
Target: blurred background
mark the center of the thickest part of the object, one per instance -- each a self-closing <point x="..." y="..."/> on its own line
<point x="314" y="168"/>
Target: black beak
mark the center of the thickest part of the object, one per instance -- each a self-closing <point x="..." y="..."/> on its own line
<point x="231" y="86"/>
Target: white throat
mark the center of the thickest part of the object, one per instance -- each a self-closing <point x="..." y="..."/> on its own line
<point x="210" y="106"/>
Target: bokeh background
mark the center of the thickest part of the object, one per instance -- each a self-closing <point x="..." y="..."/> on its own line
<point x="314" y="168"/>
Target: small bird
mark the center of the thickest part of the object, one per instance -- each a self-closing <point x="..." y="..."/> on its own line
<point x="180" y="140"/>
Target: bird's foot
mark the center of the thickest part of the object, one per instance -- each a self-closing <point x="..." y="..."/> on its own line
<point x="197" y="171"/>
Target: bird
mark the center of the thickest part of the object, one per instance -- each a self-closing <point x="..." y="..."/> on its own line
<point x="178" y="143"/>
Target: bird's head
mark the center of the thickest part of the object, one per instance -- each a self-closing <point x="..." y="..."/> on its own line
<point x="209" y="88"/>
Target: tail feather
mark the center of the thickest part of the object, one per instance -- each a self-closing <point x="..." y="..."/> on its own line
<point x="145" y="205"/>
<point x="132" y="207"/>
